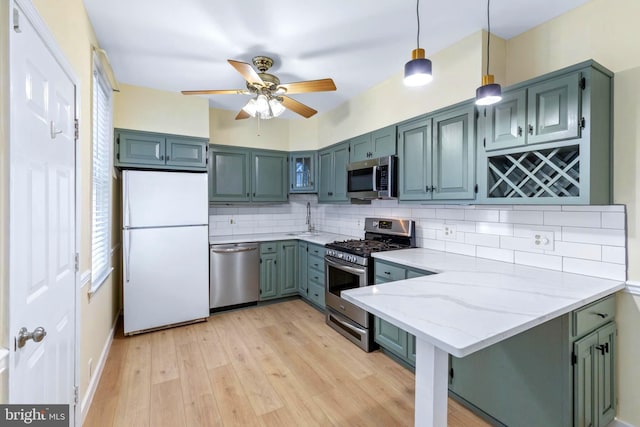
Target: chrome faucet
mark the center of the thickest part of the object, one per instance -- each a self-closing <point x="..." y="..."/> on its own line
<point x="309" y="226"/>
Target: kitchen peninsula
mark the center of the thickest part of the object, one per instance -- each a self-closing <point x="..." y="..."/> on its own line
<point x="471" y="304"/>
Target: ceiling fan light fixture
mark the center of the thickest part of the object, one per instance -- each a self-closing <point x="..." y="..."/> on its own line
<point x="276" y="107"/>
<point x="417" y="72"/>
<point x="250" y="107"/>
<point x="489" y="93"/>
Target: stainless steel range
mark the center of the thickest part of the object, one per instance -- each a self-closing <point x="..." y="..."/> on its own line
<point x="349" y="265"/>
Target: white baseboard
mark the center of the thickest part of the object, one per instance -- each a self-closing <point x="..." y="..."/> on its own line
<point x="617" y="423"/>
<point x="95" y="380"/>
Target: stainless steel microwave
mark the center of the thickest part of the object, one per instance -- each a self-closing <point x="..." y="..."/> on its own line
<point x="373" y="179"/>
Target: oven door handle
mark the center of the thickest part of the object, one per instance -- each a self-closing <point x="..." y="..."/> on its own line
<point x="347" y="325"/>
<point x="348" y="268"/>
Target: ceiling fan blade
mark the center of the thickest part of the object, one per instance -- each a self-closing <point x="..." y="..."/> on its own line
<point x="298" y="107"/>
<point x="216" y="92"/>
<point x="242" y="115"/>
<point x="322" y="85"/>
<point x="247" y="71"/>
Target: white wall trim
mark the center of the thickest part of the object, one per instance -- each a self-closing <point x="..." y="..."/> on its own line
<point x="633" y="287"/>
<point x="95" y="380"/>
<point x="4" y="359"/>
<point x="85" y="278"/>
<point x="618" y="423"/>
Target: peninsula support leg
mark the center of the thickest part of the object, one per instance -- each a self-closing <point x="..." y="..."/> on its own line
<point x="432" y="365"/>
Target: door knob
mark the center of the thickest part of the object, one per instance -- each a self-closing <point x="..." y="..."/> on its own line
<point x="24" y="335"/>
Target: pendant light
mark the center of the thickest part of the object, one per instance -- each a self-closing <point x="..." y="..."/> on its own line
<point x="490" y="92"/>
<point x="417" y="72"/>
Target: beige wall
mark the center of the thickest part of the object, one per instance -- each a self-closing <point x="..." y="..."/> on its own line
<point x="606" y="31"/>
<point x="155" y="110"/>
<point x="254" y="133"/>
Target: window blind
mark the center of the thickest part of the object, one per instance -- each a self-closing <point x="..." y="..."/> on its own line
<point x="101" y="181"/>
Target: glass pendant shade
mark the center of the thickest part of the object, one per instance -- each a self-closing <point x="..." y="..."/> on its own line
<point x="417" y="72"/>
<point x="489" y="93"/>
<point x="263" y="107"/>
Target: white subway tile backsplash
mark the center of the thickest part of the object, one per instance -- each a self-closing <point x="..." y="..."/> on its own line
<point x="460" y="248"/>
<point x="574" y="219"/>
<point x="614" y="254"/>
<point x="599" y="236"/>
<point x="594" y="268"/>
<point x="505" y="255"/>
<point x="482" y="215"/>
<point x="521" y="217"/>
<point x="587" y="239"/>
<point x="613" y="220"/>
<point x="494" y="228"/>
<point x="551" y="262"/>
<point x="490" y="240"/>
<point x="577" y="250"/>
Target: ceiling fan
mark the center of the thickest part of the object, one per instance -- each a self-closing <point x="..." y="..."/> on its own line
<point x="270" y="96"/>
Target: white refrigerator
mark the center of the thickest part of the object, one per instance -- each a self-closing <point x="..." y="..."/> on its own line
<point x="165" y="249"/>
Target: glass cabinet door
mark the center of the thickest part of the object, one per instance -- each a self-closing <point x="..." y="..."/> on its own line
<point x="303" y="172"/>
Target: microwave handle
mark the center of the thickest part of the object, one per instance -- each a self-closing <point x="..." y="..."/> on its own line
<point x="374" y="176"/>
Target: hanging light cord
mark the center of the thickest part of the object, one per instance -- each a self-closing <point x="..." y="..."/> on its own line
<point x="418" y="18"/>
<point x="489" y="35"/>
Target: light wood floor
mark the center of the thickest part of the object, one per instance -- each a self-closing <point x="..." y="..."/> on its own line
<point x="273" y="365"/>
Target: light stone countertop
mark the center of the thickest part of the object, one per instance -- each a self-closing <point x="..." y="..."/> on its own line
<point x="317" y="237"/>
<point x="473" y="302"/>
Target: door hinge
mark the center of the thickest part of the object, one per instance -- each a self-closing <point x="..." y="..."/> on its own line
<point x="574" y="359"/>
<point x="583" y="123"/>
<point x="583" y="83"/>
<point x="77" y="262"/>
<point x="260" y="260"/>
<point x="76" y="128"/>
<point x="475" y="188"/>
<point x="76" y="394"/>
<point x="16" y="21"/>
<point x="451" y="374"/>
<point x="484" y="142"/>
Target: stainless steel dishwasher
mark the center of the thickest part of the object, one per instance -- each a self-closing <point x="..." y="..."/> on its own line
<point x="234" y="274"/>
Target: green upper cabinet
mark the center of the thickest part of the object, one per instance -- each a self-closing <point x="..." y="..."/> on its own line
<point x="553" y="109"/>
<point x="148" y="150"/>
<point x="332" y="185"/>
<point x="303" y="172"/>
<point x="505" y="121"/>
<point x="436" y="156"/>
<point x="379" y="143"/>
<point x="229" y="174"/>
<point x="239" y="174"/>
<point x="549" y="140"/>
<point x="269" y="178"/>
<point x="454" y="154"/>
<point x="544" y="112"/>
<point x="414" y="158"/>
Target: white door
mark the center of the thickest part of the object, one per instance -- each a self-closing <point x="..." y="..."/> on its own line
<point x="42" y="224"/>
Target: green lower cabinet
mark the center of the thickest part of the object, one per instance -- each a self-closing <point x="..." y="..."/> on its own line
<point x="288" y="268"/>
<point x="391" y="338"/>
<point x="278" y="269"/>
<point x="594" y="385"/>
<point x="268" y="276"/>
<point x="560" y="373"/>
<point x="311" y="286"/>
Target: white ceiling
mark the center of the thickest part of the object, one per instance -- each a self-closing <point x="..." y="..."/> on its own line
<point x="183" y="45"/>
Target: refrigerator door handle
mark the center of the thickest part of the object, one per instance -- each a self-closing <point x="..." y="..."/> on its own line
<point x="127" y="255"/>
<point x="127" y="209"/>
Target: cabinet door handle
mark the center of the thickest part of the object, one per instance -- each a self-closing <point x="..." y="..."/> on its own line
<point x="387" y="272"/>
<point x="161" y="156"/>
<point x="602" y="315"/>
<point x="330" y="193"/>
<point x="519" y="130"/>
<point x="427" y="189"/>
<point x="530" y="130"/>
<point x="603" y="348"/>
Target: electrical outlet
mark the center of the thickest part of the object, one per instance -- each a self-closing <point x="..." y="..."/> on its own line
<point x="449" y="231"/>
<point x="542" y="239"/>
